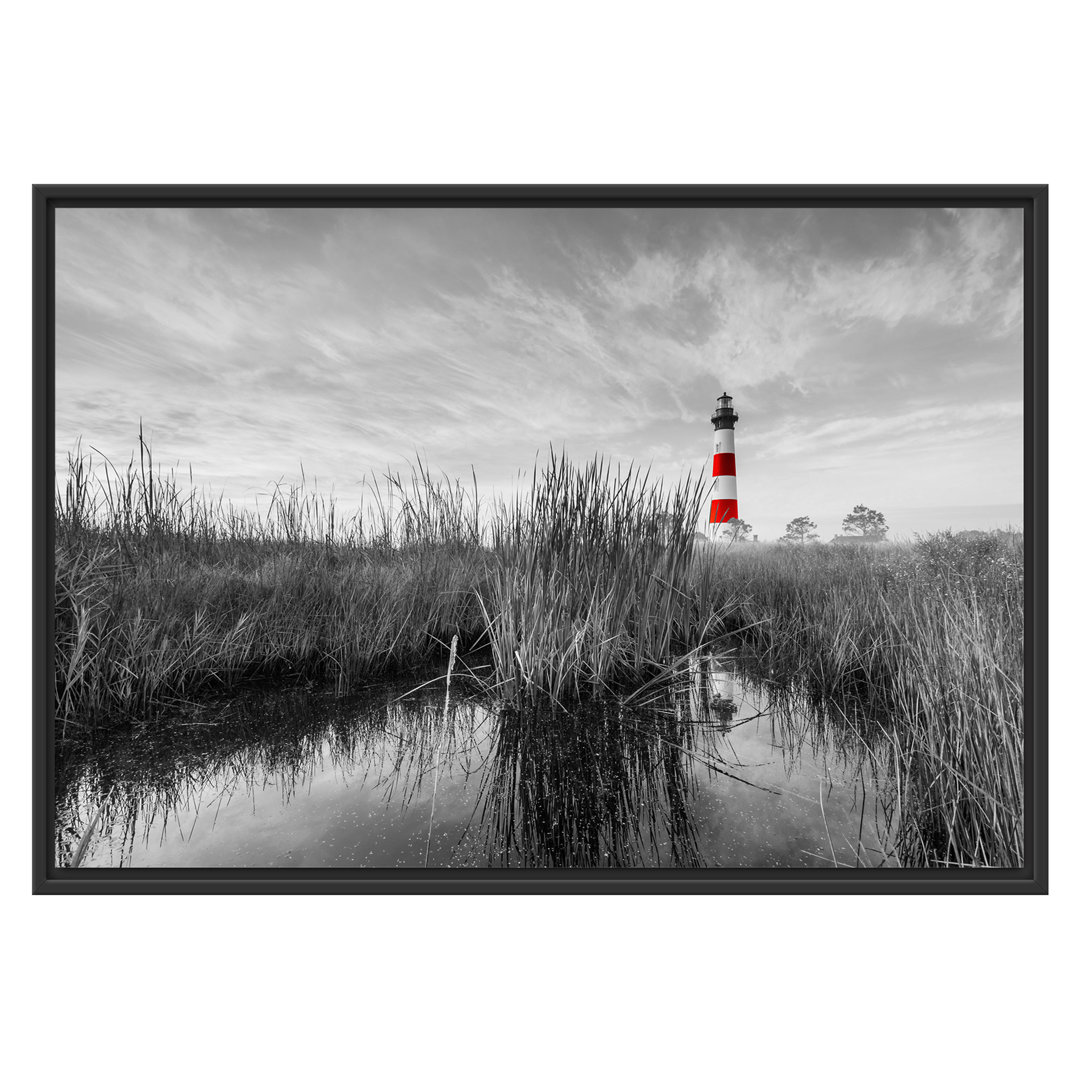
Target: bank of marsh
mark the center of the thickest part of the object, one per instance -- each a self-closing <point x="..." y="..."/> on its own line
<point x="589" y="584"/>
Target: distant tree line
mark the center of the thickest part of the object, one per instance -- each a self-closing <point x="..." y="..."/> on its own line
<point x="861" y="525"/>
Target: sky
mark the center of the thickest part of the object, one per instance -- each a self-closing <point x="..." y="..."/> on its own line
<point x="874" y="355"/>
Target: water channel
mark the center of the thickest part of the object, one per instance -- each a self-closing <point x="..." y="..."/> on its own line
<point x="723" y="771"/>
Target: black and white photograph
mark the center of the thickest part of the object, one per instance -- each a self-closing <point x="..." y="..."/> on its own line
<point x="641" y="536"/>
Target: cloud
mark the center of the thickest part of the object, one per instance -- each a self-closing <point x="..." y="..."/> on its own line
<point x="253" y="339"/>
<point x="883" y="434"/>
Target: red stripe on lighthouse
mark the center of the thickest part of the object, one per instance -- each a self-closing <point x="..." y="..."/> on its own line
<point x="723" y="464"/>
<point x="723" y="510"/>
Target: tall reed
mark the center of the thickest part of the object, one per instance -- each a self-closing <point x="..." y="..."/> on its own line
<point x="162" y="592"/>
<point x="590" y="586"/>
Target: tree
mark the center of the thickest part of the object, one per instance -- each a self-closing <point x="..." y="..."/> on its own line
<point x="737" y="530"/>
<point x="866" y="522"/>
<point x="799" y="531"/>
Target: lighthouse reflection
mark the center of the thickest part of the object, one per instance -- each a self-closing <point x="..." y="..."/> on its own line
<point x="712" y="689"/>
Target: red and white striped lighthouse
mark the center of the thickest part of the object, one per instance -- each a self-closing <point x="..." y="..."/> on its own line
<point x="724" y="505"/>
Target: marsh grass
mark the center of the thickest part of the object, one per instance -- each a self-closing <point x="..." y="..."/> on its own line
<point x="162" y="593"/>
<point x="578" y="587"/>
<point x="588" y="585"/>
<point x="920" y="648"/>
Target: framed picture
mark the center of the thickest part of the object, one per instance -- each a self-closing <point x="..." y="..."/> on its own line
<point x="595" y="539"/>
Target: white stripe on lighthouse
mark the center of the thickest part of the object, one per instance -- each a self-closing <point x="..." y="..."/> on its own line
<point x="724" y="488"/>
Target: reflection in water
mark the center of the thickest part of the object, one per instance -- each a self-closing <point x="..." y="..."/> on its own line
<point x="714" y="772"/>
<point x="711" y="692"/>
<point x="591" y="789"/>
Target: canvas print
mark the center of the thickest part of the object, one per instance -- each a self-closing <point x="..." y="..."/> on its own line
<point x="550" y="537"/>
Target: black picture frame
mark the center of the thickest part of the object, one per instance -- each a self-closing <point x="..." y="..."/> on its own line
<point x="1029" y="879"/>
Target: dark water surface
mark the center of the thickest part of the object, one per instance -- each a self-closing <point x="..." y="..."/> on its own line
<point x="718" y="773"/>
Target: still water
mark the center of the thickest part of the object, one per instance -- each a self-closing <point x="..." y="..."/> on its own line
<point x="722" y="771"/>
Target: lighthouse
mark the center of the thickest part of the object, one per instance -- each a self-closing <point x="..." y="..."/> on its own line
<point x="724" y="505"/>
